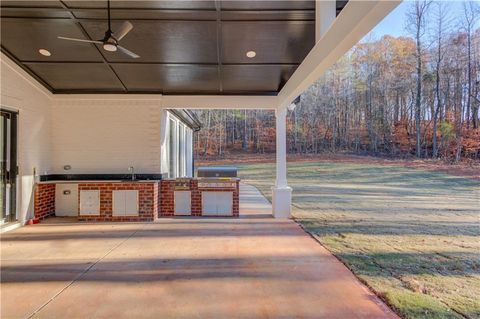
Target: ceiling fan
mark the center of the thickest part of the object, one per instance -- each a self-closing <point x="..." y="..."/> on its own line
<point x="111" y="39"/>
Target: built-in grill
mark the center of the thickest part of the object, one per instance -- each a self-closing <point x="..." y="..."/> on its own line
<point x="217" y="171"/>
<point x="221" y="182"/>
<point x="215" y="192"/>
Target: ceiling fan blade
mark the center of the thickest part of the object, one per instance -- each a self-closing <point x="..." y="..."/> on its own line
<point x="128" y="52"/>
<point x="81" y="40"/>
<point x="124" y="29"/>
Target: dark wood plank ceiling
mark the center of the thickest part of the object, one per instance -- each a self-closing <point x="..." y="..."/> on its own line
<point x="185" y="47"/>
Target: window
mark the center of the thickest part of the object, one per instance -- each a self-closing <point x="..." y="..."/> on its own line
<point x="179" y="151"/>
<point x="172" y="150"/>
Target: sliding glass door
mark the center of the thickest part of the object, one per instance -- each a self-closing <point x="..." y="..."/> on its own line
<point x="172" y="148"/>
<point x="8" y="165"/>
<point x="179" y="151"/>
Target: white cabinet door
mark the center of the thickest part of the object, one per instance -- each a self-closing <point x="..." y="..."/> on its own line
<point x="131" y="203"/>
<point x="224" y="203"/>
<point x="183" y="203"/>
<point x="118" y="203"/>
<point x="66" y="199"/>
<point x="209" y="205"/>
<point x="217" y="203"/>
<point x="90" y="202"/>
<point x="125" y="203"/>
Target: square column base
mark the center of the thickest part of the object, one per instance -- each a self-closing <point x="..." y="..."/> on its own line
<point x="281" y="202"/>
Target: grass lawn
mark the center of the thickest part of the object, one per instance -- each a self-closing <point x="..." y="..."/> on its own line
<point x="413" y="236"/>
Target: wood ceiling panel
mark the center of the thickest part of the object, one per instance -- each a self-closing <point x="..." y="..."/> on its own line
<point x="268" y="5"/>
<point x="261" y="15"/>
<point x="184" y="46"/>
<point x="23" y="38"/>
<point x="298" y="38"/>
<point x="77" y="76"/>
<point x="255" y="78"/>
<point x="169" y="78"/>
<point x="31" y="4"/>
<point x="274" y="5"/>
<point x="164" y="41"/>
<point x="34" y="13"/>
<point x="200" y="5"/>
<point x="146" y="14"/>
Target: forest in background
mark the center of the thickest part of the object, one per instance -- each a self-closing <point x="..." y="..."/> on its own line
<point x="416" y="95"/>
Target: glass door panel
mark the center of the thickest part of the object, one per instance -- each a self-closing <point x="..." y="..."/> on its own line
<point x="8" y="166"/>
<point x="172" y="150"/>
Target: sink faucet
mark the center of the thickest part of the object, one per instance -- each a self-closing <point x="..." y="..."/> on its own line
<point x="132" y="169"/>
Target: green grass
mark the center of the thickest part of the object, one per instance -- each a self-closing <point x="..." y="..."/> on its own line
<point x="413" y="236"/>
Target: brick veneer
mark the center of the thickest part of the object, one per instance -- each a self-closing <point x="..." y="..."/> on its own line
<point x="147" y="201"/>
<point x="156" y="199"/>
<point x="167" y="198"/>
<point x="44" y="204"/>
<point x="167" y="202"/>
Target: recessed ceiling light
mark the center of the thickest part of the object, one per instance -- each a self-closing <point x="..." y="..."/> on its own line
<point x="251" y="54"/>
<point x="44" y="52"/>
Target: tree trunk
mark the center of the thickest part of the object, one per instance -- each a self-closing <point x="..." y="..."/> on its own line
<point x="418" y="98"/>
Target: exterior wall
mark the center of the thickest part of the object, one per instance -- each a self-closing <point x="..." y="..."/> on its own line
<point x="147" y="197"/>
<point x="19" y="92"/>
<point x="167" y="202"/>
<point x="96" y="135"/>
<point x="44" y="200"/>
<point x="105" y="136"/>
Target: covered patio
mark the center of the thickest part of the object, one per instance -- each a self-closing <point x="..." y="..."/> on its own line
<point x="251" y="267"/>
<point x="198" y="54"/>
<point x="85" y="112"/>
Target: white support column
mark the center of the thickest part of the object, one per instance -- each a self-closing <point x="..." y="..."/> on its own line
<point x="281" y="193"/>
<point x="163" y="141"/>
<point x="325" y="13"/>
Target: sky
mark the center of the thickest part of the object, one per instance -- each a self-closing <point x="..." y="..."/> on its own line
<point x="394" y="23"/>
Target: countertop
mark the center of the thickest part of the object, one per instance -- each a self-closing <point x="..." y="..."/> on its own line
<point x="98" y="181"/>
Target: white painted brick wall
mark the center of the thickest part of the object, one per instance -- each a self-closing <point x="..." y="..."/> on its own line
<point x="105" y="136"/>
<point x="92" y="136"/>
<point x="21" y="93"/>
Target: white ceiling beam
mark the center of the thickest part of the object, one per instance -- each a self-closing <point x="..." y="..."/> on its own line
<point x="352" y="24"/>
<point x="180" y="101"/>
<point x="109" y="97"/>
<point x="325" y="14"/>
<point x="219" y="102"/>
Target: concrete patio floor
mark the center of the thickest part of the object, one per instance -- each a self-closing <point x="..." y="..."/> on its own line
<point x="250" y="267"/>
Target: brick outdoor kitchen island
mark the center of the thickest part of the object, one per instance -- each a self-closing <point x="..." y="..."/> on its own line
<point x="139" y="200"/>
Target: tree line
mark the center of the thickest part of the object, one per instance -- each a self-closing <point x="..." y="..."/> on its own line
<point x="414" y="95"/>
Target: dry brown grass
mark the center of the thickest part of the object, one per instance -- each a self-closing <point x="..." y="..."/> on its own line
<point x="469" y="169"/>
<point x="412" y="235"/>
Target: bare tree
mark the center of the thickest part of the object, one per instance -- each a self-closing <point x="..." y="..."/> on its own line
<point x="439" y="29"/>
<point x="470" y="18"/>
<point x="416" y="25"/>
<point x="371" y="99"/>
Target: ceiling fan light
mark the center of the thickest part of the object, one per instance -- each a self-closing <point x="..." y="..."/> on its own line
<point x="109" y="47"/>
